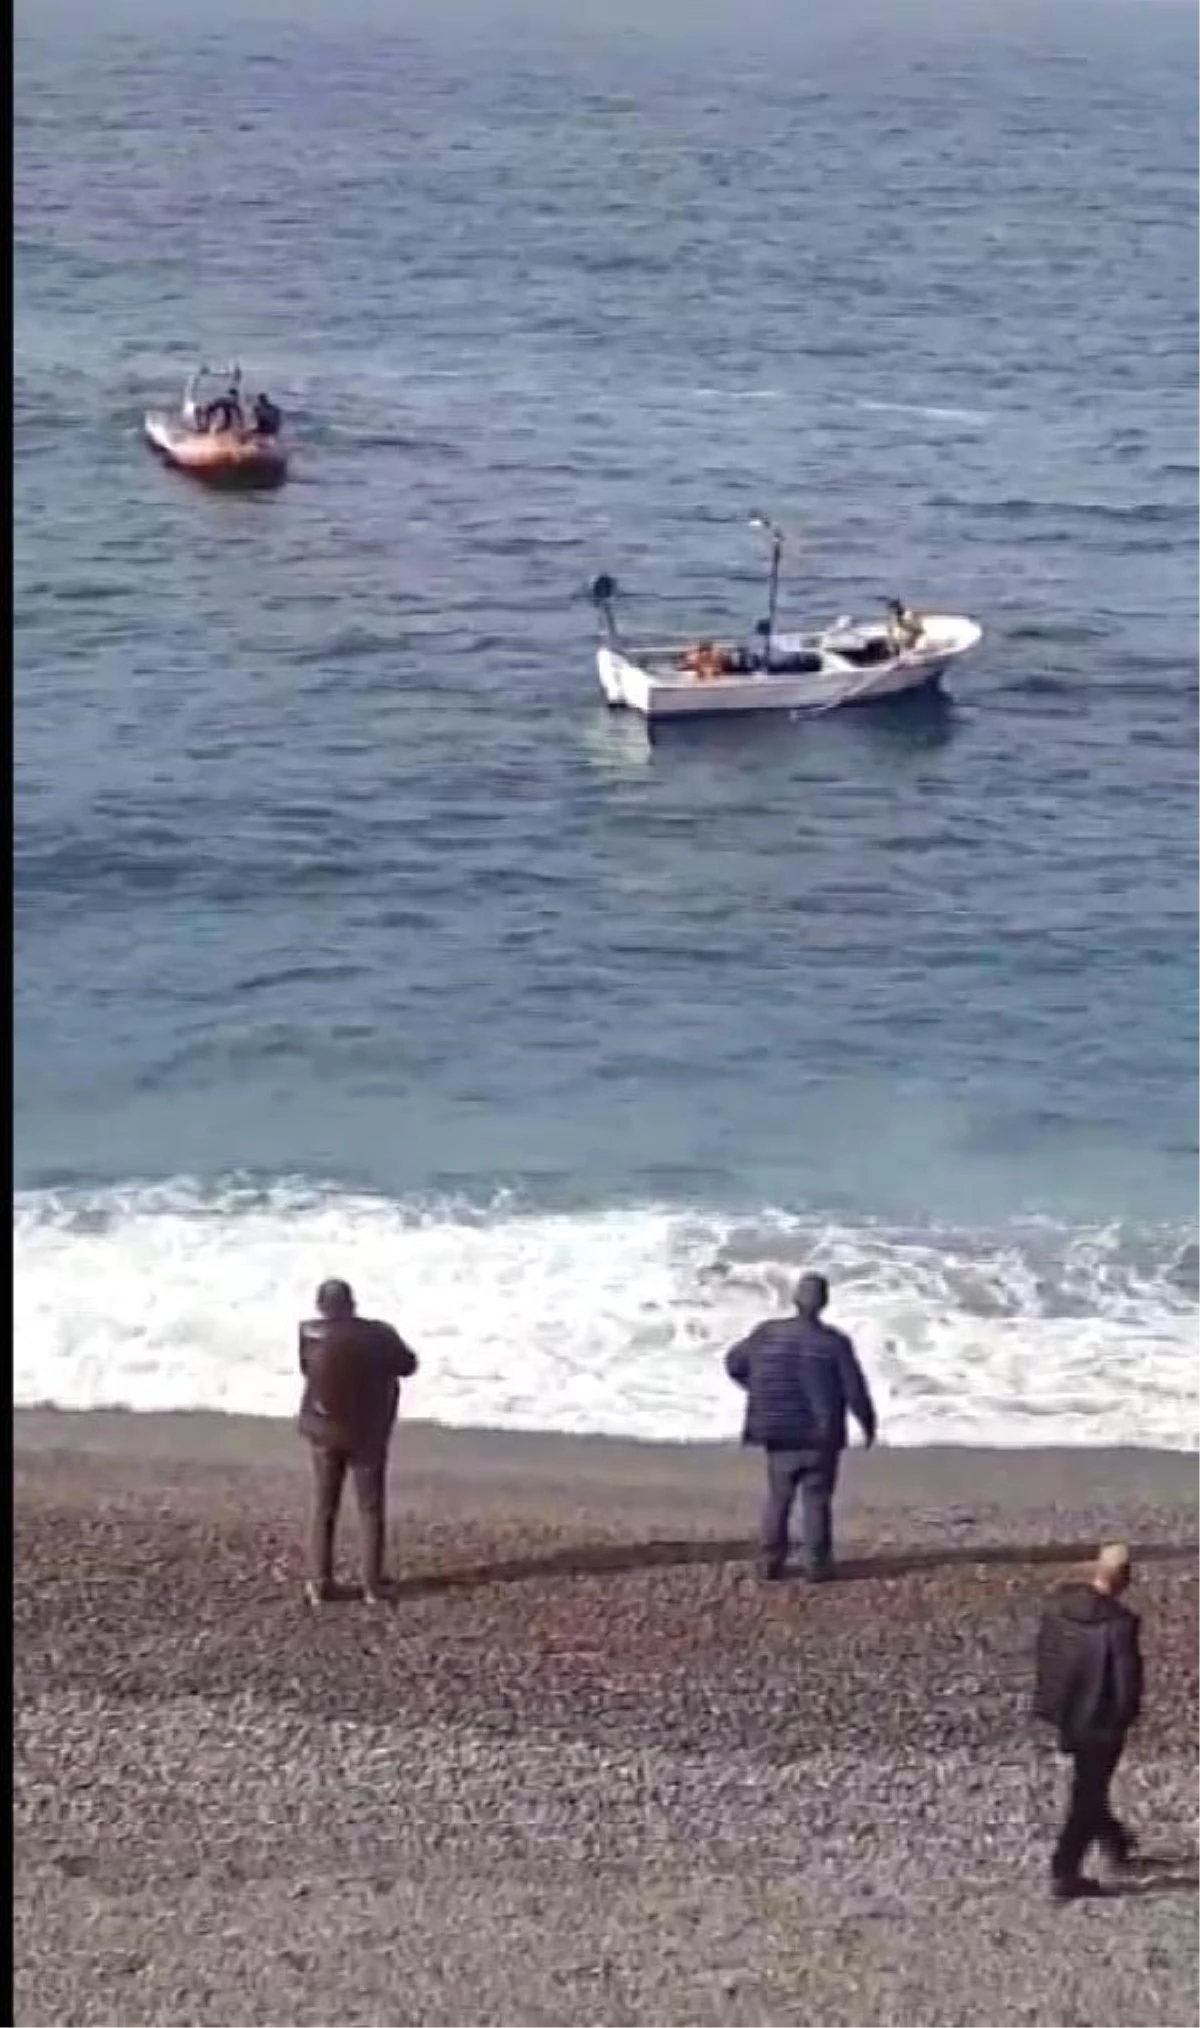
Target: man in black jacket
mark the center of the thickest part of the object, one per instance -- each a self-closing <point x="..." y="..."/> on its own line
<point x="1088" y="1685"/>
<point x="352" y="1367"/>
<point x="800" y="1378"/>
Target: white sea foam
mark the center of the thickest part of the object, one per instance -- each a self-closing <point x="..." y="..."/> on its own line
<point x="612" y="1321"/>
<point x="736" y="393"/>
<point x="975" y="416"/>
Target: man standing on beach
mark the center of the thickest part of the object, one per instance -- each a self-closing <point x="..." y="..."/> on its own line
<point x="352" y="1370"/>
<point x="1088" y="1685"/>
<point x="801" y="1377"/>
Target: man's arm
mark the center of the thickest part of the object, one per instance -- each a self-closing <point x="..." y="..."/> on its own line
<point x="737" y="1359"/>
<point x="401" y="1359"/>
<point x="856" y="1391"/>
<point x="1128" y="1669"/>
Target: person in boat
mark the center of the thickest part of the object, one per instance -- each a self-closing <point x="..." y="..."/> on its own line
<point x="705" y="661"/>
<point x="904" y="626"/>
<point x="265" y="418"/>
<point x="225" y="413"/>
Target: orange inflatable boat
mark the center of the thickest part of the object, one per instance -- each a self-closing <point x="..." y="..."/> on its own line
<point x="217" y="442"/>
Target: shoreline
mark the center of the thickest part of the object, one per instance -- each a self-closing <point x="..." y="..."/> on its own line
<point x="625" y="1484"/>
<point x="199" y="1432"/>
<point x="617" y="1488"/>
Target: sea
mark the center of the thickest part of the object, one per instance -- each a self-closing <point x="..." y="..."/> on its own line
<point x="354" y="937"/>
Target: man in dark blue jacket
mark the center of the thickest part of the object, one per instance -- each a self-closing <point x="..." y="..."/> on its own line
<point x="801" y="1376"/>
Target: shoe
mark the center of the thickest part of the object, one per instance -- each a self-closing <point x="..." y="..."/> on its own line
<point x="1075" y="1887"/>
<point x="1120" y="1852"/>
<point x="316" y="1595"/>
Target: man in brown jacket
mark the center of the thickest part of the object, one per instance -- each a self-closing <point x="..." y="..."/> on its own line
<point x="1088" y="1685"/>
<point x="352" y="1370"/>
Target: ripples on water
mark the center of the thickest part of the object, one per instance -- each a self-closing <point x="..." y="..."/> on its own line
<point x="329" y="867"/>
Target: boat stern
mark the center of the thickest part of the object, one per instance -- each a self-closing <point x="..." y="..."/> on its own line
<point x="624" y="685"/>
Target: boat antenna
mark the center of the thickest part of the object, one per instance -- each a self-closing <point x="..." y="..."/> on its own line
<point x="767" y="627"/>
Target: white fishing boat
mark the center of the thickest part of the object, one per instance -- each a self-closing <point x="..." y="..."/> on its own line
<point x="808" y="673"/>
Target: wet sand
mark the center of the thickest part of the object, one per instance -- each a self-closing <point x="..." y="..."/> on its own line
<point x="583" y="1767"/>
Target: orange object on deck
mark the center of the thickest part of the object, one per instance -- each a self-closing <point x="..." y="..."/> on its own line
<point x="705" y="661"/>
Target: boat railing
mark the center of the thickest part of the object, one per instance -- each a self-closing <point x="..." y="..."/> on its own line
<point x="635" y="643"/>
<point x="672" y="644"/>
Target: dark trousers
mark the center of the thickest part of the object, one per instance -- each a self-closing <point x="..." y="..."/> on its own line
<point x="812" y="1474"/>
<point x="1089" y="1819"/>
<point x="370" y="1486"/>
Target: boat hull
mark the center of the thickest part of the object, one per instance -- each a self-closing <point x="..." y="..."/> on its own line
<point x="659" y="694"/>
<point x="220" y="458"/>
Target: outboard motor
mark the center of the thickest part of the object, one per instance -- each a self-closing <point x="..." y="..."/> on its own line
<point x="603" y="593"/>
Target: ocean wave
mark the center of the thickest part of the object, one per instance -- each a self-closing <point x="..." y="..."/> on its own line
<point x="184" y="1296"/>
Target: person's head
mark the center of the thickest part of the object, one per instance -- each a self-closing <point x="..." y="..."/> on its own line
<point x="896" y="608"/>
<point x="335" y="1299"/>
<point x="811" y="1295"/>
<point x="1113" y="1569"/>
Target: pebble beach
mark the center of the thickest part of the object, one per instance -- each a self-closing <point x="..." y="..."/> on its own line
<point x="582" y="1767"/>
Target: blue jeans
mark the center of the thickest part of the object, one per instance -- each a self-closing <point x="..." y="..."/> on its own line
<point x="813" y="1475"/>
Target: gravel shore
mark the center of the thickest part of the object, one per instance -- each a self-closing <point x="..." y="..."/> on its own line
<point x="583" y="1768"/>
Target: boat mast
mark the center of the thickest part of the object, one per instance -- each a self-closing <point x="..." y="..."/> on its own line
<point x="776" y="534"/>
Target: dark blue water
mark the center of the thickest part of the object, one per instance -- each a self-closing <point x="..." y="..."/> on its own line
<point x="352" y="933"/>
